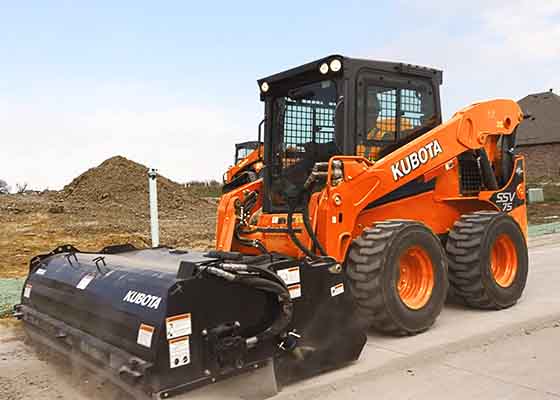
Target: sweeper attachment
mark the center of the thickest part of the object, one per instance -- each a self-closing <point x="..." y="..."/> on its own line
<point x="360" y="209"/>
<point x="159" y="322"/>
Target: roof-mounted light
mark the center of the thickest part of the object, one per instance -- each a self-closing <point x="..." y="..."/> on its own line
<point x="336" y="65"/>
<point x="324" y="68"/>
<point x="265" y="87"/>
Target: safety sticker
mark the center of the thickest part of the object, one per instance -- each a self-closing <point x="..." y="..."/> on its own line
<point x="85" y="281"/>
<point x="337" y="289"/>
<point x="27" y="291"/>
<point x="179" y="352"/>
<point x="289" y="275"/>
<point x="41" y="271"/>
<point x="295" y="291"/>
<point x="145" y="333"/>
<point x="178" y="325"/>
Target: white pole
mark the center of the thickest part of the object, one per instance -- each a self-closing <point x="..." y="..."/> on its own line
<point x="154" y="222"/>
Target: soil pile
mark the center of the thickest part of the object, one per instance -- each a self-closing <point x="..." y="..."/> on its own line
<point x="125" y="182"/>
<point x="106" y="205"/>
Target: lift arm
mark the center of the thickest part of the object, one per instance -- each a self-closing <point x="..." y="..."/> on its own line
<point x="364" y="181"/>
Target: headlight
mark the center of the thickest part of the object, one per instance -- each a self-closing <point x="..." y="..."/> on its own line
<point x="336" y="65"/>
<point x="265" y="87"/>
<point x="324" y="68"/>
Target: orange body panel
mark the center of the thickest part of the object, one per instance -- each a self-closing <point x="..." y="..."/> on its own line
<point x="339" y="212"/>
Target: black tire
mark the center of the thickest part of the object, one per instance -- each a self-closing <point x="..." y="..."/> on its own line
<point x="469" y="249"/>
<point x="373" y="270"/>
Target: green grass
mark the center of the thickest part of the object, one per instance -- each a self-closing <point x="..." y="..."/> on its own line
<point x="10" y="292"/>
<point x="205" y="189"/>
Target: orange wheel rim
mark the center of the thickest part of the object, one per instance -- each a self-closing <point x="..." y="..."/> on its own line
<point x="416" y="278"/>
<point x="503" y="260"/>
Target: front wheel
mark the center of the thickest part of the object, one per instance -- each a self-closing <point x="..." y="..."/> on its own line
<point x="397" y="274"/>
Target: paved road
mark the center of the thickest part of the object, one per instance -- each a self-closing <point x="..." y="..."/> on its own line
<point x="458" y="329"/>
<point x="523" y="366"/>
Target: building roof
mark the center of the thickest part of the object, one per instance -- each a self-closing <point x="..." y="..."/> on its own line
<point x="543" y="126"/>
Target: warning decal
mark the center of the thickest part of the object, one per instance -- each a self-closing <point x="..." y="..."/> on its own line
<point x="145" y="333"/>
<point x="179" y="352"/>
<point x="178" y="325"/>
<point x="84" y="282"/>
<point x="289" y="275"/>
<point x="41" y="271"/>
<point x="338" y="289"/>
<point x="295" y="291"/>
<point x="27" y="291"/>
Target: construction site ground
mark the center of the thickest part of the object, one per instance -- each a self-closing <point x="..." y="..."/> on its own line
<point x="469" y="353"/>
<point x="109" y="205"/>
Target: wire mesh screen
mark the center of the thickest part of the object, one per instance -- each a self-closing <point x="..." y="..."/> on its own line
<point x="391" y="115"/>
<point x="305" y="122"/>
<point x="387" y="110"/>
<point x="411" y="109"/>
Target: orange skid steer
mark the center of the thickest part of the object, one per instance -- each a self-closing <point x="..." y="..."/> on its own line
<point x="366" y="208"/>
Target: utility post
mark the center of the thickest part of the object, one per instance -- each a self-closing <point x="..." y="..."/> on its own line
<point x="154" y="222"/>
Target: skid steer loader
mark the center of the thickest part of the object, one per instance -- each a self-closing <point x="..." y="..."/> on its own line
<point x="247" y="166"/>
<point x="367" y="208"/>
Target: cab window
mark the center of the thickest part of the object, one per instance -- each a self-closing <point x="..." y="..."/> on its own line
<point x="393" y="115"/>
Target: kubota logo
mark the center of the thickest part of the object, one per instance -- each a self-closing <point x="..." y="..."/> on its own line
<point x="142" y="299"/>
<point x="402" y="168"/>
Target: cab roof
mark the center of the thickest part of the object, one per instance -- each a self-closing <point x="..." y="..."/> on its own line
<point x="352" y="65"/>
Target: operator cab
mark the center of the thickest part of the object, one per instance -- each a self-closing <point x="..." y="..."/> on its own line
<point x="243" y="149"/>
<point x="340" y="106"/>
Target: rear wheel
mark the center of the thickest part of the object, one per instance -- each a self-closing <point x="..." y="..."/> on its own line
<point x="488" y="261"/>
<point x="397" y="274"/>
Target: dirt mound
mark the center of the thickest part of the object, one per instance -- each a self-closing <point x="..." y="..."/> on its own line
<point x="125" y="182"/>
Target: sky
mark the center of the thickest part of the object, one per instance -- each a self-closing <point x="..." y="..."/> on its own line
<point x="172" y="84"/>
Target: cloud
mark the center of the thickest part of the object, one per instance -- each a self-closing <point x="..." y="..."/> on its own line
<point x="487" y="49"/>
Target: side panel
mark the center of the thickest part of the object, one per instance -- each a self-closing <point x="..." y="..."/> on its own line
<point x="439" y="216"/>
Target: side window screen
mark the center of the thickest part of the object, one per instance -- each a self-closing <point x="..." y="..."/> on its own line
<point x="381" y="114"/>
<point x="306" y="122"/>
<point x="412" y="114"/>
<point x="303" y="134"/>
<point x="393" y="115"/>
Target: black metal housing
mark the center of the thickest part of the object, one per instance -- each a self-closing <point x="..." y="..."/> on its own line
<point x="81" y="304"/>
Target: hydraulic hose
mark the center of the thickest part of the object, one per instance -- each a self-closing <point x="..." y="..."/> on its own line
<point x="309" y="228"/>
<point x="294" y="238"/>
<point x="270" y="284"/>
<point x="281" y="323"/>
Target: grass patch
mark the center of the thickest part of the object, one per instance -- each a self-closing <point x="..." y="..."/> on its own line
<point x="205" y="189"/>
<point x="10" y="292"/>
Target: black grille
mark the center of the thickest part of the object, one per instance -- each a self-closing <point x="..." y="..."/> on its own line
<point x="471" y="180"/>
<point x="308" y="121"/>
<point x="411" y="109"/>
<point x="391" y="115"/>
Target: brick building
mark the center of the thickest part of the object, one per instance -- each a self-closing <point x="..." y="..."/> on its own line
<point x="538" y="137"/>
